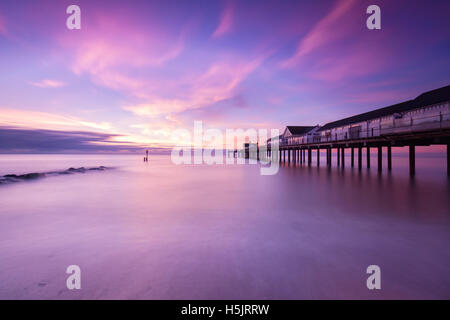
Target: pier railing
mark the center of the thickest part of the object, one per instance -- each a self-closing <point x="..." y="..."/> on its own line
<point x="395" y="127"/>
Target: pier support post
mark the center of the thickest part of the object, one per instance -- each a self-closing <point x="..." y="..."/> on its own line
<point x="318" y="156"/>
<point x="412" y="160"/>
<point x="448" y="159"/>
<point x="389" y="156"/>
<point x="368" y="158"/>
<point x="304" y="155"/>
<point x="343" y="157"/>
<point x="331" y="156"/>
<point x="359" y="158"/>
<point x="338" y="155"/>
<point x="328" y="157"/>
<point x="380" y="159"/>
<point x="309" y="156"/>
<point x="353" y="157"/>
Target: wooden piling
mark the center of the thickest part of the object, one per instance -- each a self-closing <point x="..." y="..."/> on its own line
<point x="448" y="159"/>
<point x="368" y="157"/>
<point x="359" y="158"/>
<point x="343" y="157"/>
<point x="380" y="159"/>
<point x="389" y="156"/>
<point x="318" y="156"/>
<point x="338" y="155"/>
<point x="412" y="160"/>
<point x="329" y="156"/>
<point x="309" y="156"/>
<point x="353" y="157"/>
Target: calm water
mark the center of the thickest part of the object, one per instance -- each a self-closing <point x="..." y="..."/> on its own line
<point x="159" y="231"/>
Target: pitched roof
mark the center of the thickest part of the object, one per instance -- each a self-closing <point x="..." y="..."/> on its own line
<point x="277" y="137"/>
<point x="433" y="97"/>
<point x="427" y="98"/>
<point x="299" y="130"/>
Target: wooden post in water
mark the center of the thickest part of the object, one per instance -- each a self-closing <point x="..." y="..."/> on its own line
<point x="338" y="156"/>
<point x="328" y="156"/>
<point x="309" y="156"/>
<point x="380" y="159"/>
<point x="343" y="156"/>
<point x="359" y="158"/>
<point x="412" y="160"/>
<point x="289" y="155"/>
<point x="331" y="156"/>
<point x="448" y="159"/>
<point x="368" y="157"/>
<point x="318" y="156"/>
<point x="353" y="157"/>
<point x="389" y="156"/>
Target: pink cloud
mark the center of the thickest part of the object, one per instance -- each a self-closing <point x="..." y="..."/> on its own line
<point x="114" y="48"/>
<point x="216" y="84"/>
<point x="328" y="29"/>
<point x="48" y="84"/>
<point x="49" y="121"/>
<point x="226" y="21"/>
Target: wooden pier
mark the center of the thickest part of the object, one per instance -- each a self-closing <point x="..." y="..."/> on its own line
<point x="338" y="148"/>
<point x="423" y="121"/>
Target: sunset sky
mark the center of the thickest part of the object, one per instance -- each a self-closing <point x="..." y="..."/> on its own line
<point x="137" y="70"/>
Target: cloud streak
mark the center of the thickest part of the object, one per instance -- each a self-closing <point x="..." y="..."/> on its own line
<point x="19" y="140"/>
<point x="325" y="31"/>
<point x="48" y="84"/>
<point x="226" y="21"/>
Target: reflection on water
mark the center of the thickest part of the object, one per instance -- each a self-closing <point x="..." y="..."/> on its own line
<point x="159" y="231"/>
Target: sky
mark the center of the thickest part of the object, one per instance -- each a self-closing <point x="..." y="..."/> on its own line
<point x="138" y="70"/>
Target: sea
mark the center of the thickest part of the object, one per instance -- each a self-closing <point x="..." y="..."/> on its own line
<point x="158" y="230"/>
